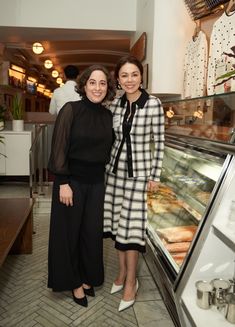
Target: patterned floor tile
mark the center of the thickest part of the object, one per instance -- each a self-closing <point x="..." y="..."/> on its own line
<point x="25" y="300"/>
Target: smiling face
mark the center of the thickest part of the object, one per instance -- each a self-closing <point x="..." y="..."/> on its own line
<point x="96" y="86"/>
<point x="129" y="77"/>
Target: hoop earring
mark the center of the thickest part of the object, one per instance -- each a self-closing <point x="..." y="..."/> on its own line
<point x="119" y="87"/>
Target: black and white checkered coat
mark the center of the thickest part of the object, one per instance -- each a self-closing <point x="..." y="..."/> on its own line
<point x="125" y="205"/>
<point x="147" y="127"/>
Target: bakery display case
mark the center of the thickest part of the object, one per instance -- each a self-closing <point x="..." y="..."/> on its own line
<point x="213" y="259"/>
<point x="178" y="206"/>
<point x="210" y="117"/>
<point x="195" y="166"/>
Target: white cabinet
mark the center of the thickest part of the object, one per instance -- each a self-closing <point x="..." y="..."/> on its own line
<point x="16" y="148"/>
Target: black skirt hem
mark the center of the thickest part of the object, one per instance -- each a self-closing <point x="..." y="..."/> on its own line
<point x="125" y="247"/>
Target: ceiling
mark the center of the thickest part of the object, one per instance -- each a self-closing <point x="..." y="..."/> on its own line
<point x="63" y="46"/>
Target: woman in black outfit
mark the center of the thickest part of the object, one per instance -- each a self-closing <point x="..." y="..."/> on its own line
<point x="80" y="150"/>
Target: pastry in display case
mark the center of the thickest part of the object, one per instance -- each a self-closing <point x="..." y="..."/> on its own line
<point x="199" y="148"/>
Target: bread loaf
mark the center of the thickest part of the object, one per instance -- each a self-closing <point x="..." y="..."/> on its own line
<point x="177" y="247"/>
<point x="179" y="258"/>
<point x="178" y="233"/>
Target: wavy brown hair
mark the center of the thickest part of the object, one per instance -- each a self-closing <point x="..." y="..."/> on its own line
<point x="85" y="75"/>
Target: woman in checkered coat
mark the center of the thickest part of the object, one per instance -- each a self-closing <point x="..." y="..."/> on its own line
<point x="134" y="168"/>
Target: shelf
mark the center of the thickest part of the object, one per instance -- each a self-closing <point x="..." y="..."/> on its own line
<point x="195" y="203"/>
<point x="192" y="205"/>
<point x="211" y="171"/>
<point x="201" y="317"/>
<point x="195" y="208"/>
<point x="192" y="211"/>
<point x="226" y="234"/>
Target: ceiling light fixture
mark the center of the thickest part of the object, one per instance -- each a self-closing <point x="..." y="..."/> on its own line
<point x="54" y="73"/>
<point x="32" y="79"/>
<point x="18" y="69"/>
<point x="48" y="63"/>
<point x="59" y="80"/>
<point x="37" y="48"/>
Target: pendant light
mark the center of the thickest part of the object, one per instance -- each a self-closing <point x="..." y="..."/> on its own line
<point x="37" y="48"/>
<point x="59" y="80"/>
<point x="55" y="73"/>
<point x="48" y="64"/>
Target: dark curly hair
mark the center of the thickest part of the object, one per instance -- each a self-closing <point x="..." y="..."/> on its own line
<point x="85" y="75"/>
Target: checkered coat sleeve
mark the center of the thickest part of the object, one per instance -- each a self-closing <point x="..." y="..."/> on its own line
<point x="147" y="137"/>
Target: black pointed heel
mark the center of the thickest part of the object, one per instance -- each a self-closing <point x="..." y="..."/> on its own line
<point x="82" y="301"/>
<point x="89" y="291"/>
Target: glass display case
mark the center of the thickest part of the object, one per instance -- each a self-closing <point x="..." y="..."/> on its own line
<point x="179" y="204"/>
<point x="195" y="164"/>
<point x="211" y="117"/>
<point x="213" y="259"/>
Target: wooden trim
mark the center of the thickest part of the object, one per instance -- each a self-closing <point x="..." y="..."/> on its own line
<point x="230" y="8"/>
<point x="139" y="48"/>
<point x="145" y="76"/>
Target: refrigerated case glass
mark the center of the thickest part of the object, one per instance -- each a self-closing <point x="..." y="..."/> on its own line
<point x="176" y="208"/>
<point x="210" y="117"/>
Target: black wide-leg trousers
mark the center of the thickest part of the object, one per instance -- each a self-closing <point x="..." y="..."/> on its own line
<point x="75" y="253"/>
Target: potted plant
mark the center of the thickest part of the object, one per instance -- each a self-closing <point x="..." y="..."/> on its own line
<point x="2" y="116"/>
<point x="17" y="114"/>
<point x="230" y="75"/>
<point x="3" y="110"/>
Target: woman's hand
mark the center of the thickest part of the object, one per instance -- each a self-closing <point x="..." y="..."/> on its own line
<point x="152" y="186"/>
<point x="66" y="195"/>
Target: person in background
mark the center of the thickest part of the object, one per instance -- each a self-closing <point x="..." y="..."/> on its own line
<point x="67" y="92"/>
<point x="134" y="168"/>
<point x="81" y="146"/>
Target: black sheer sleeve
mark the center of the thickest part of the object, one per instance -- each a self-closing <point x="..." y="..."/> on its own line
<point x="58" y="161"/>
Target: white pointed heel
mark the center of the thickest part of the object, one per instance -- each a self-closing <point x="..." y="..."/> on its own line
<point x="127" y="304"/>
<point x="116" y="288"/>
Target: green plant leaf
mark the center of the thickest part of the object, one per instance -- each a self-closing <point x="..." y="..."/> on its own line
<point x="230" y="74"/>
<point x="2" y="112"/>
<point x="17" y="108"/>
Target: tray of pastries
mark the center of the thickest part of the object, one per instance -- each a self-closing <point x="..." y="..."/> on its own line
<point x="177" y="233"/>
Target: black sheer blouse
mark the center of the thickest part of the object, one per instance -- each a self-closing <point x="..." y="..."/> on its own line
<point x="81" y="142"/>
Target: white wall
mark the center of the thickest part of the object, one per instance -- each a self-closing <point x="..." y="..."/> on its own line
<point x="145" y="23"/>
<point x="82" y="14"/>
<point x="169" y="28"/>
<point x="172" y="31"/>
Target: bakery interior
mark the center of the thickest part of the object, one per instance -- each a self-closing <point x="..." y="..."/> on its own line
<point x="190" y="211"/>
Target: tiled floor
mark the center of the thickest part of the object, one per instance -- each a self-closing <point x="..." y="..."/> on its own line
<point x="25" y="300"/>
